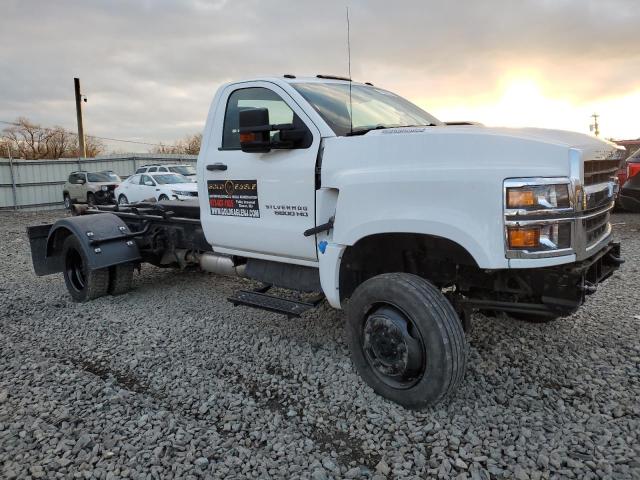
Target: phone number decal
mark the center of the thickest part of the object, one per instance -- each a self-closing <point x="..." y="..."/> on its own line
<point x="234" y="198"/>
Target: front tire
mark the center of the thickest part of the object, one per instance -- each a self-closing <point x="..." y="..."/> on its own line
<point x="406" y="339"/>
<point x="67" y="202"/>
<point x="91" y="199"/>
<point x="123" y="200"/>
<point x="83" y="284"/>
<point x="162" y="197"/>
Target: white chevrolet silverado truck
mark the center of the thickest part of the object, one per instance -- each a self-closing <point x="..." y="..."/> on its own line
<point x="333" y="189"/>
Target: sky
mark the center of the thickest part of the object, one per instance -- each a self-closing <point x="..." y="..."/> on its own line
<point x="149" y="69"/>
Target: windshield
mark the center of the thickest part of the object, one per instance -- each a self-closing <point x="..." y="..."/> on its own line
<point x="183" y="169"/>
<point x="102" y="177"/>
<point x="170" y="178"/>
<point x="372" y="107"/>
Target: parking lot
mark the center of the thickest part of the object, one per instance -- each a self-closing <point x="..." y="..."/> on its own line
<point x="171" y="380"/>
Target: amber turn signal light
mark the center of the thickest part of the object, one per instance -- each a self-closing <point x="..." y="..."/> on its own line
<point x="517" y="198"/>
<point x="523" y="237"/>
<point x="247" y="137"/>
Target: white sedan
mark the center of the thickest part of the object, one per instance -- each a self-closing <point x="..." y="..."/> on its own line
<point x="161" y="186"/>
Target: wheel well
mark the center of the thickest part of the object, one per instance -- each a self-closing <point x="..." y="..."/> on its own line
<point x="434" y="258"/>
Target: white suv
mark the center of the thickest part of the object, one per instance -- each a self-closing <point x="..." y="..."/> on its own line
<point x="183" y="169"/>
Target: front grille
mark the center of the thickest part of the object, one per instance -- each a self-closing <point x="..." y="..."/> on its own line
<point x="600" y="171"/>
<point x="598" y="199"/>
<point x="595" y="227"/>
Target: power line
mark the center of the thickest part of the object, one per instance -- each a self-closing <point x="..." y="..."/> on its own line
<point x="96" y="136"/>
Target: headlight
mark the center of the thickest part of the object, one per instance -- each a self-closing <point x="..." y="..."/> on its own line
<point x="539" y="238"/>
<point x="180" y="192"/>
<point x="104" y="188"/>
<point x="538" y="197"/>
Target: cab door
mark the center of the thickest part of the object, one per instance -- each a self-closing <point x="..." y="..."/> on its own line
<point x="259" y="204"/>
<point x="147" y="188"/>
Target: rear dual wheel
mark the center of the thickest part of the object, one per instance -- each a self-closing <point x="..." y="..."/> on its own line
<point x="406" y="339"/>
<point x="85" y="284"/>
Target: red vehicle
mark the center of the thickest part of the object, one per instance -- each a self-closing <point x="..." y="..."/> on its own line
<point x="629" y="196"/>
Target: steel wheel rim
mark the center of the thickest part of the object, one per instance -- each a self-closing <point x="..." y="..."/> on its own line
<point x="393" y="347"/>
<point x="75" y="270"/>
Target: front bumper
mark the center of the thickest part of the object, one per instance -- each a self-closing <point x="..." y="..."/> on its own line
<point x="550" y="291"/>
<point x="104" y="197"/>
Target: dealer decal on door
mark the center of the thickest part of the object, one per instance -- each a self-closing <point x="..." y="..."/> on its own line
<point x="234" y="198"/>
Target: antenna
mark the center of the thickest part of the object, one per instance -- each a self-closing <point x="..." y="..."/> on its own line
<point x="350" y="81"/>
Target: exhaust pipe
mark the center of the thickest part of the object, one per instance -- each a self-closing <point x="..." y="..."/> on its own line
<point x="221" y="265"/>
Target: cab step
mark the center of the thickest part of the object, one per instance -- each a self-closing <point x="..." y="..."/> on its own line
<point x="285" y="306"/>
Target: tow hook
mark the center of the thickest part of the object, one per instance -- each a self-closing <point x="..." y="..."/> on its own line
<point x="616" y="260"/>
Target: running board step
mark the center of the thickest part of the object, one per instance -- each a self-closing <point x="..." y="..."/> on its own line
<point x="264" y="301"/>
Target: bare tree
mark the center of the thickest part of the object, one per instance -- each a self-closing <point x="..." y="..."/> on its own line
<point x="189" y="145"/>
<point x="32" y="142"/>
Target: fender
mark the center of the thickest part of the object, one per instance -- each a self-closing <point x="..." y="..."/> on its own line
<point x="105" y="239"/>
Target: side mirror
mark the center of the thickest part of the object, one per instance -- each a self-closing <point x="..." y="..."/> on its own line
<point x="255" y="130"/>
<point x="148" y="183"/>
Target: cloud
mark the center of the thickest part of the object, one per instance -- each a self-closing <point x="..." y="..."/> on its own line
<point x="150" y="68"/>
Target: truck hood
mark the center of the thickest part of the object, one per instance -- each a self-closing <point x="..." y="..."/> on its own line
<point x="592" y="146"/>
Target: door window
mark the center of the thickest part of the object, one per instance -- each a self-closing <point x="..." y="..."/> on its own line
<point x="146" y="178"/>
<point x="134" y="180"/>
<point x="162" y="169"/>
<point x="255" y="97"/>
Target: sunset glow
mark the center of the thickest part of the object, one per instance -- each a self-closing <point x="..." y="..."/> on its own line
<point x="523" y="100"/>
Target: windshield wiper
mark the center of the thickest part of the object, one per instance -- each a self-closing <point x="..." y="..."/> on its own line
<point x="362" y="131"/>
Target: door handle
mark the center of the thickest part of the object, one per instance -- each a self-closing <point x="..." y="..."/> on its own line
<point x="216" y="166"/>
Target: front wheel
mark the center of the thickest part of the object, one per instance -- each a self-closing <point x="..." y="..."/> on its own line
<point x="67" y="201"/>
<point x="123" y="200"/>
<point x="162" y="197"/>
<point x="91" y="199"/>
<point x="406" y="340"/>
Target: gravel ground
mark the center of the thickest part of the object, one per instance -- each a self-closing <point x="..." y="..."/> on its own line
<point x="171" y="381"/>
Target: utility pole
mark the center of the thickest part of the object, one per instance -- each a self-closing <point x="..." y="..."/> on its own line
<point x="595" y="128"/>
<point x="82" y="149"/>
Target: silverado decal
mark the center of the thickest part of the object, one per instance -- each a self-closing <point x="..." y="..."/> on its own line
<point x="289" y="210"/>
<point x="234" y="198"/>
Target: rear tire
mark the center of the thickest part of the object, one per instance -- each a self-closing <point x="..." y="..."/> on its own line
<point x="406" y="339"/>
<point x="83" y="284"/>
<point x="120" y="278"/>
